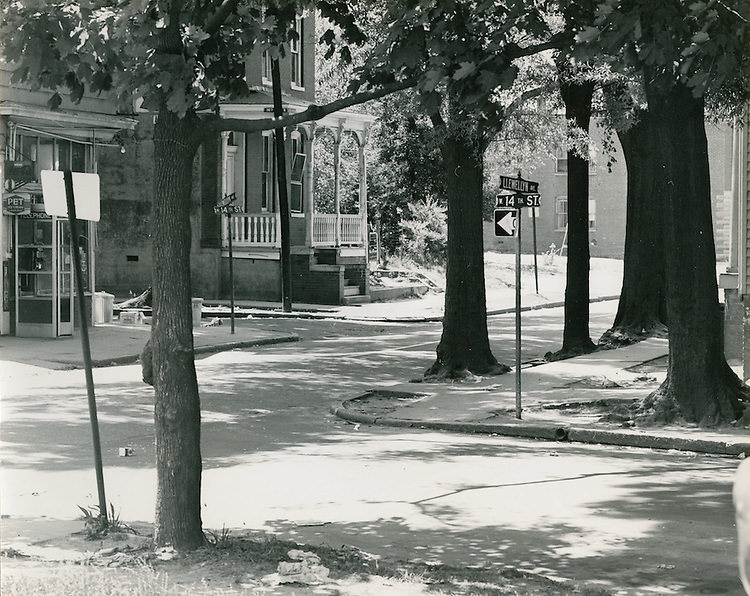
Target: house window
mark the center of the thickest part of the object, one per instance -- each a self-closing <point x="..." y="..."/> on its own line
<point x="265" y="67"/>
<point x="266" y="174"/>
<point x="561" y="161"/>
<point x="561" y="213"/>
<point x="295" y="49"/>
<point x="297" y="183"/>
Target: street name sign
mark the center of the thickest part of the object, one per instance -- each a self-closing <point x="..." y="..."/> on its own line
<point x="227" y="209"/>
<point x="518" y="201"/>
<point x="225" y="204"/>
<point x="519" y="185"/>
<point x="506" y="222"/>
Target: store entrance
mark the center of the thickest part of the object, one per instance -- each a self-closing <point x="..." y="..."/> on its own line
<point x="44" y="281"/>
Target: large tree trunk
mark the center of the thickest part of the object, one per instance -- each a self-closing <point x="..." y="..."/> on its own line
<point x="177" y="408"/>
<point x="641" y="312"/>
<point x="464" y="345"/>
<point x="576" y="340"/>
<point x="700" y="387"/>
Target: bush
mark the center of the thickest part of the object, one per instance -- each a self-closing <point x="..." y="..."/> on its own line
<point x="424" y="233"/>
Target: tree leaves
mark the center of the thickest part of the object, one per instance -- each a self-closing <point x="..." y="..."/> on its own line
<point x="701" y="44"/>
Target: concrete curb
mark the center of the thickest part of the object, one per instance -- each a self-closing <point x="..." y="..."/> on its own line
<point x="206" y="349"/>
<point x="434" y="319"/>
<point x="553" y="432"/>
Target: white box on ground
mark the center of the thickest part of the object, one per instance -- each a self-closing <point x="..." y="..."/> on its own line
<point x="197" y="311"/>
<point x="103" y="305"/>
<point x="131" y="317"/>
<point x="85" y="193"/>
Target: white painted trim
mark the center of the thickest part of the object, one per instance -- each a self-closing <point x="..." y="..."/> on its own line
<point x="259" y="256"/>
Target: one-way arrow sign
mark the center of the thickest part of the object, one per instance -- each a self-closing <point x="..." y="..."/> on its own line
<point x="506" y="222"/>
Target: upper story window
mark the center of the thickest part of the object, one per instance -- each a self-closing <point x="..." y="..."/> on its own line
<point x="297" y="55"/>
<point x="265" y="67"/>
<point x="298" y="167"/>
<point x="561" y="161"/>
<point x="30" y="154"/>
<point x="266" y="173"/>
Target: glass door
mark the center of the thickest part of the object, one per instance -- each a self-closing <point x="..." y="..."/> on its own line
<point x="64" y="279"/>
<point x="35" y="275"/>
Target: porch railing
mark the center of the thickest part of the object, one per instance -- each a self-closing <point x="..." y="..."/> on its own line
<point x="255" y="229"/>
<point x="264" y="229"/>
<point x="324" y="229"/>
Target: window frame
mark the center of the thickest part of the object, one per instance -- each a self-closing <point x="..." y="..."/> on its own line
<point x="561" y="212"/>
<point x="267" y="163"/>
<point x="265" y="68"/>
<point x="297" y="56"/>
<point x="298" y="186"/>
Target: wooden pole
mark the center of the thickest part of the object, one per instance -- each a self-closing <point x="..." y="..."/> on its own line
<point x="286" y="251"/>
<point x="231" y="274"/>
<point x="518" y="313"/>
<point x="85" y="345"/>
<point x="536" y="269"/>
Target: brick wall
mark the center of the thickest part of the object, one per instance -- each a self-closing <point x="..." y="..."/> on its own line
<point x="316" y="284"/>
<point x="254" y="279"/>
<point x="124" y="259"/>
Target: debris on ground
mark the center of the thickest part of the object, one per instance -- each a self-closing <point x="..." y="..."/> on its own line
<point x="303" y="569"/>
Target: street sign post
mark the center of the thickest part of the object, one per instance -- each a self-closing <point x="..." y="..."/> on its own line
<point x="519" y="193"/>
<point x="225" y="207"/>
<point x="75" y="195"/>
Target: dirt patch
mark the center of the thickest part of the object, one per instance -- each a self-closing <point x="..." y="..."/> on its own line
<point x="259" y="564"/>
<point x="380" y="402"/>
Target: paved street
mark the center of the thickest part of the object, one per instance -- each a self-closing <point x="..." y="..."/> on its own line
<point x="275" y="459"/>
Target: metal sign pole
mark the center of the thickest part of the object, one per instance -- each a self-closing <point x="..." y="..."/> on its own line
<point x="536" y="270"/>
<point x="85" y="345"/>
<point x="518" y="315"/>
<point x="231" y="274"/>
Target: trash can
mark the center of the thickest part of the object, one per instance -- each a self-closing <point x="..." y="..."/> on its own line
<point x="102" y="305"/>
<point x="197" y="311"/>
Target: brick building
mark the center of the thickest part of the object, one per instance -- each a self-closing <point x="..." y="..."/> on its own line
<point x="329" y="259"/>
<point x="607" y="200"/>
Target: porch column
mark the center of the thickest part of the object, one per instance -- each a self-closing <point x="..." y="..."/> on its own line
<point x="224" y="145"/>
<point x="363" y="138"/>
<point x="337" y="133"/>
<point x="308" y="190"/>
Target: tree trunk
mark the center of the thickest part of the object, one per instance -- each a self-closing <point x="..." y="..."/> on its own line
<point x="464" y="345"/>
<point x="642" y="309"/>
<point x="700" y="387"/>
<point x="576" y="340"/>
<point x="177" y="408"/>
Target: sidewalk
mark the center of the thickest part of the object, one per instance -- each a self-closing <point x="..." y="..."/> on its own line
<point x="114" y="344"/>
<point x="583" y="399"/>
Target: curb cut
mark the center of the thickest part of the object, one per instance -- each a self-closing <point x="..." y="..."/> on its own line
<point x="554" y="433"/>
<point x="205" y="349"/>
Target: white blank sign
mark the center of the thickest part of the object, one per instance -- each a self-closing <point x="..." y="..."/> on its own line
<point x="85" y="192"/>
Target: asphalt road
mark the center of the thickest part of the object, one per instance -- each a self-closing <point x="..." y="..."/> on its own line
<point x="276" y="460"/>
